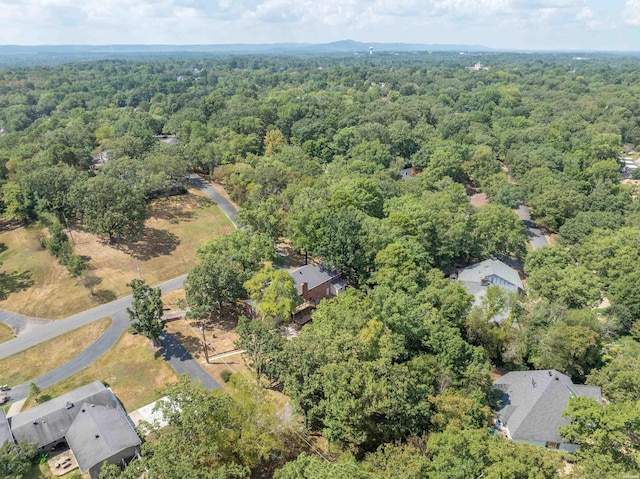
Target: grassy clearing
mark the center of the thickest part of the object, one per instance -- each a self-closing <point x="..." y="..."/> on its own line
<point x="6" y="333"/>
<point x="43" y="471"/>
<point x="32" y="277"/>
<point x="221" y="337"/>
<point x="133" y="369"/>
<point x="49" y="355"/>
<point x="42" y="288"/>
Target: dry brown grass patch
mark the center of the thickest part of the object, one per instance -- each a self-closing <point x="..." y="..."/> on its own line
<point x="132" y="368"/>
<point x="175" y="228"/>
<point x="47" y="356"/>
<point x="6" y="333"/>
<point x="219" y="337"/>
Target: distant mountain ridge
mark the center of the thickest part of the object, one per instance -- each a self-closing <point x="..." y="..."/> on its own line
<point x="342" y="46"/>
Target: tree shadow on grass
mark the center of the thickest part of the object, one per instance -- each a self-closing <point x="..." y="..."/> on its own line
<point x="103" y="296"/>
<point x="9" y="225"/>
<point x="154" y="243"/>
<point x="12" y="282"/>
<point x="173" y="212"/>
<point x="228" y="322"/>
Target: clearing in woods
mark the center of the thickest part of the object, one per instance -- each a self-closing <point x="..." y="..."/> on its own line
<point x="37" y="285"/>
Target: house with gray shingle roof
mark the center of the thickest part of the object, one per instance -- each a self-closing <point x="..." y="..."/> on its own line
<point x="90" y="420"/>
<point x="532" y="403"/>
<point x="5" y="431"/>
<point x="314" y="282"/>
<point x="100" y="433"/>
<point x="477" y="278"/>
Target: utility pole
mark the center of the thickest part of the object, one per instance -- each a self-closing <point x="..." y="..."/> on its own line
<point x="204" y="342"/>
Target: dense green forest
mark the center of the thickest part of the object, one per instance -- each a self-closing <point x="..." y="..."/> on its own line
<point x="394" y="374"/>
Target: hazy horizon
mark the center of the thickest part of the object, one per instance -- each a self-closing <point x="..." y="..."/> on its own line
<point x="527" y="25"/>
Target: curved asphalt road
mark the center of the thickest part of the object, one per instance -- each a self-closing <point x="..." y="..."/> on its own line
<point x="224" y="204"/>
<point x="21" y="324"/>
<point x="52" y="329"/>
<point x="32" y="331"/>
<point x="536" y="236"/>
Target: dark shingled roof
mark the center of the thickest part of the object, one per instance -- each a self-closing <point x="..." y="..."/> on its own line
<point x="533" y="402"/>
<point x="50" y="421"/>
<point x="313" y="275"/>
<point x="5" y="432"/>
<point x="98" y="433"/>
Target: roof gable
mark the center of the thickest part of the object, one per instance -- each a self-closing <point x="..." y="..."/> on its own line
<point x="98" y="433"/>
<point x="533" y="402"/>
<point x="490" y="267"/>
<point x="50" y="421"/>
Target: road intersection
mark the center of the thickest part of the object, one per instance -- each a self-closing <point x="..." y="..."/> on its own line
<point x="33" y="331"/>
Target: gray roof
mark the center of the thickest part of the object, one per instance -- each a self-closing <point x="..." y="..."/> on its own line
<point x="50" y="421"/>
<point x="533" y="402"/>
<point x="479" y="292"/>
<point x="98" y="433"/>
<point x="5" y="432"/>
<point x="313" y="275"/>
<point x="490" y="267"/>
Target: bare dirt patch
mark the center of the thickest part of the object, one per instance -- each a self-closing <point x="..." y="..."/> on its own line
<point x="479" y="199"/>
<point x="220" y="338"/>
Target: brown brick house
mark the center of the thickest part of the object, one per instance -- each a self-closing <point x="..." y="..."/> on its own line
<point x="316" y="282"/>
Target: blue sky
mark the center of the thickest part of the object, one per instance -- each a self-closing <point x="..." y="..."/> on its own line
<point x="513" y="24"/>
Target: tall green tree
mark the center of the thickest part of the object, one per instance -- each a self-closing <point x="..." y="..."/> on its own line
<point x="498" y="231"/>
<point x="214" y="282"/>
<point x="146" y="310"/>
<point x="605" y="430"/>
<point x="221" y="434"/>
<point x="342" y="244"/>
<point x="263" y="345"/>
<point x="16" y="460"/>
<point x="274" y="292"/>
<point x="110" y="206"/>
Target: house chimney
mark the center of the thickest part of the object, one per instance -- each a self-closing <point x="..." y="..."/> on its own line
<point x="305" y="289"/>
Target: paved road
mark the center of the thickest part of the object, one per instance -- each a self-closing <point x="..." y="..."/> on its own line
<point x="182" y="361"/>
<point x="120" y="322"/>
<point x="178" y="357"/>
<point x="53" y="329"/>
<point x="32" y="331"/>
<point x="224" y="204"/>
<point x="536" y="236"/>
<point x="21" y="324"/>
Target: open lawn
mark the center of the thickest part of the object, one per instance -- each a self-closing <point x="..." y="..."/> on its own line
<point x="133" y="369"/>
<point x="38" y="286"/>
<point x="49" y="355"/>
<point x="6" y="333"/>
<point x="43" y="471"/>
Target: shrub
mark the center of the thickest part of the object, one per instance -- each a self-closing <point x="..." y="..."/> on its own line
<point x="226" y="375"/>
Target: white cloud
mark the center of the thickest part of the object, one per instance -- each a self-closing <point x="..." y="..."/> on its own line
<point x="507" y="23"/>
<point x="632" y="12"/>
